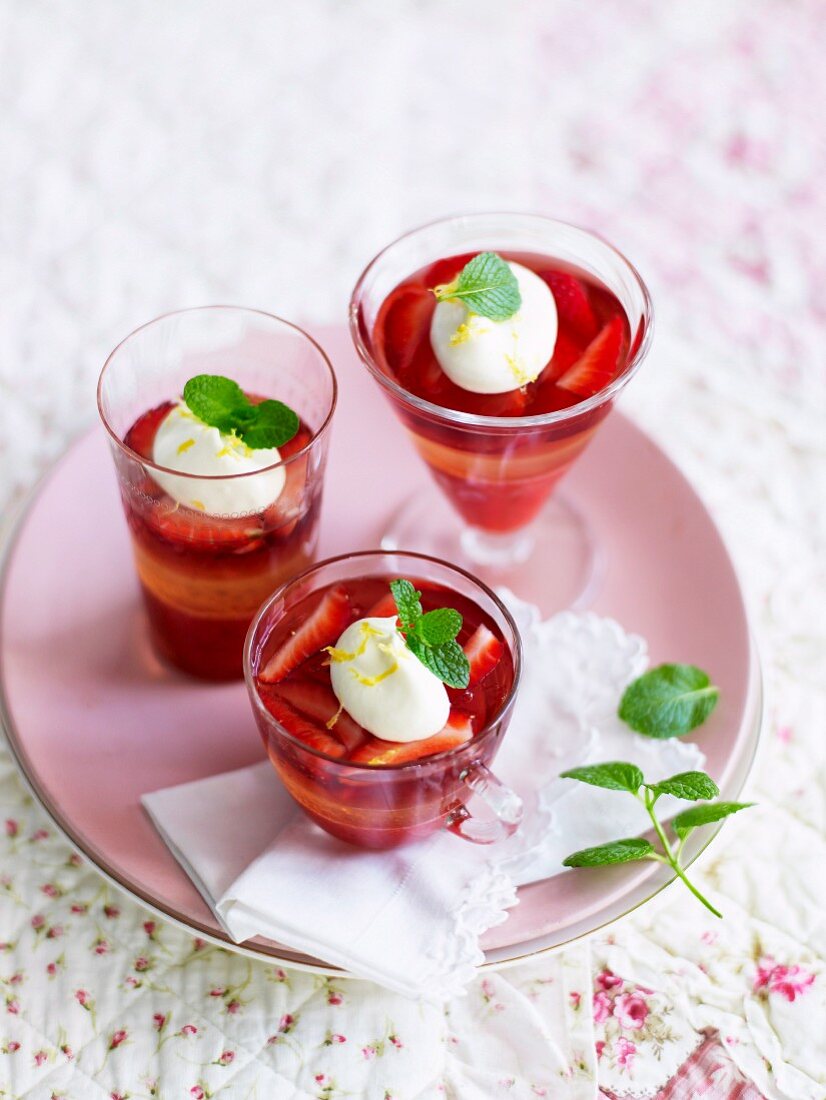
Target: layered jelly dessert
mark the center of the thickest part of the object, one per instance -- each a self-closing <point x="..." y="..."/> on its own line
<point x="490" y="337"/>
<point x="386" y="688"/>
<point x="219" y="517"/>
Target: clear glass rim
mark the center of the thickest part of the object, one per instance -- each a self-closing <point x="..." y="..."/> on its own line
<point x="148" y="463"/>
<point x="483" y="734"/>
<point x="476" y="420"/>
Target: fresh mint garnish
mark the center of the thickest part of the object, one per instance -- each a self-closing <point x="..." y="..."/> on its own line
<point x="690" y="786"/>
<point x="616" y="851"/>
<point x="705" y="815"/>
<point x="616" y="776"/>
<point x="668" y="701"/>
<point x="408" y="601"/>
<point x="486" y="285"/>
<point x="431" y="635"/>
<point x="665" y="702"/>
<point x="222" y="404"/>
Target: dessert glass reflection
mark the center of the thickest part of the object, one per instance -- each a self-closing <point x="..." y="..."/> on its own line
<point x="368" y="789"/>
<point x="497" y="450"/>
<point x="210" y="545"/>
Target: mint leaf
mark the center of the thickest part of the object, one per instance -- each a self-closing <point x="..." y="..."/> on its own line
<point x="486" y="285"/>
<point x="668" y="701"/>
<point x="705" y="815"/>
<point x="439" y="626"/>
<point x="408" y="602"/>
<point x="215" y="400"/>
<point x="272" y="425"/>
<point x="431" y="636"/>
<point x="614" y="776"/>
<point x="688" y="785"/>
<point x="447" y="661"/>
<point x="222" y="404"/>
<point x="617" y="851"/>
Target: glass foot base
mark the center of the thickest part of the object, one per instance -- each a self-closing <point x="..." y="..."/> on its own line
<point x="554" y="563"/>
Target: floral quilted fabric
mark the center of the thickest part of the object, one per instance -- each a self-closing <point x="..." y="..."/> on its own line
<point x="190" y="156"/>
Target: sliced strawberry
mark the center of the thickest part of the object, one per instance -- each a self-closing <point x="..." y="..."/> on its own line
<point x="598" y="363"/>
<point x="195" y="529"/>
<point x="483" y="651"/>
<point x="374" y="752"/>
<point x="512" y="403"/>
<point x="572" y="304"/>
<point x="301" y="438"/>
<point x="318" y="702"/>
<point x="383" y="609"/>
<point x="405" y="324"/>
<point x="566" y="353"/>
<point x="283" y="515"/>
<point x="321" y="628"/>
<point x="313" y="736"/>
<point x="445" y="271"/>
<point x="141" y="436"/>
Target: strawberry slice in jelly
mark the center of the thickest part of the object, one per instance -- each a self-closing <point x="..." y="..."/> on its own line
<point x="483" y="651"/>
<point x="446" y="270"/>
<point x="597" y="365"/>
<point x="572" y="305"/>
<point x="318" y="702"/>
<point x="376" y="752"/>
<point x="323" y="627"/>
<point x="383" y="608"/>
<point x="566" y="353"/>
<point x="309" y="733"/>
<point x="512" y="403"/>
<point x="141" y="436"/>
<point x="198" y="531"/>
<point x="283" y="515"/>
<point x="406" y="323"/>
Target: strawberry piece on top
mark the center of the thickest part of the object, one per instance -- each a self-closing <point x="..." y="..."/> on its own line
<point x="375" y="752"/>
<point x="572" y="304"/>
<point x="483" y="651"/>
<point x="319" y="703"/>
<point x="321" y="628"/>
<point x="597" y="365"/>
<point x="313" y="736"/>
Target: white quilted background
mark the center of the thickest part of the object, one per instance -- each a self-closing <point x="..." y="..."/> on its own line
<point x="156" y="155"/>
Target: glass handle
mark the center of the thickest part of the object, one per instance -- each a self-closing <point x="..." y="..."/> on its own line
<point x="505" y="808"/>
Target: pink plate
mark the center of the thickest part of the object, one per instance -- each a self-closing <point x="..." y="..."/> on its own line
<point x="95" y="721"/>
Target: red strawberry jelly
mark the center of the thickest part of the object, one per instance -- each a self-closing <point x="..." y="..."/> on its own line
<point x="359" y="789"/>
<point x="499" y="480"/>
<point x="203" y="577"/>
<point x="585" y="309"/>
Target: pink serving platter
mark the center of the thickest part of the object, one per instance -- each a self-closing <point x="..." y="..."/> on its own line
<point x="95" y="720"/>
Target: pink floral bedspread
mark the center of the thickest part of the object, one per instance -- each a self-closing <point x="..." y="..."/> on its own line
<point x="157" y="156"/>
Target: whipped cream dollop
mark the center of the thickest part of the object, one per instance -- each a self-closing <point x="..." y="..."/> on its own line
<point x="383" y="686"/>
<point x="485" y="356"/>
<point x="184" y="442"/>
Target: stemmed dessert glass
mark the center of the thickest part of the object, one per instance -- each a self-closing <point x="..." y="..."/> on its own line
<point x="203" y="576"/>
<point x="498" y="473"/>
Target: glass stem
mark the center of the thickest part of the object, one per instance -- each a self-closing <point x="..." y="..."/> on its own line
<point x="495" y="549"/>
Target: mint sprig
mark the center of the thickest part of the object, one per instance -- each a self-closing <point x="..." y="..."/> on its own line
<point x="486" y="285"/>
<point x="431" y="635"/>
<point x="668" y="701"/>
<point x="222" y="404"/>
<point x="688" y="786"/>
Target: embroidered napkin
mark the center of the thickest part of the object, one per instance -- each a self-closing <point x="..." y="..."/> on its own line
<point x="411" y="918"/>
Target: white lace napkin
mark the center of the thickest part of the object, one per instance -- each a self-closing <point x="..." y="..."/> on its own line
<point x="576" y="669"/>
<point x="411" y="918"/>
